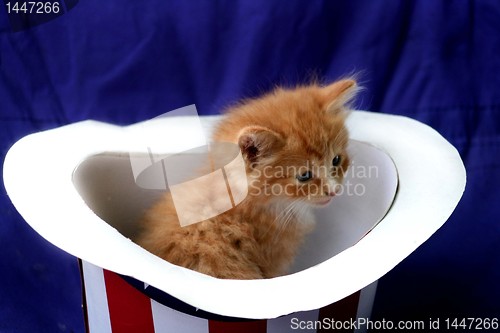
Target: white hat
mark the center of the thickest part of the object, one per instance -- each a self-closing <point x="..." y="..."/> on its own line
<point x="420" y="182"/>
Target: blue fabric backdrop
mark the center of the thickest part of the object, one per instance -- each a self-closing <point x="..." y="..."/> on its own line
<point x="126" y="61"/>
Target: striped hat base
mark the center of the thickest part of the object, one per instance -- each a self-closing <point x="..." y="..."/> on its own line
<point x="116" y="304"/>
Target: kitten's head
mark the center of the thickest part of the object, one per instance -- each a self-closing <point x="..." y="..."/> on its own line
<point x="293" y="141"/>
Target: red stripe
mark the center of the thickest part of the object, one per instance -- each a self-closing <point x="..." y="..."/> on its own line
<point x="343" y="310"/>
<point x="256" y="326"/>
<point x="129" y="310"/>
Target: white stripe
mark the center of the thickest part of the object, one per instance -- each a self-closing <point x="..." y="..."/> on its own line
<point x="285" y="324"/>
<point x="97" y="303"/>
<point x="365" y="305"/>
<point x="167" y="320"/>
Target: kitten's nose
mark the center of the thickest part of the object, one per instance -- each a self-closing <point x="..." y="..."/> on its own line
<point x="330" y="193"/>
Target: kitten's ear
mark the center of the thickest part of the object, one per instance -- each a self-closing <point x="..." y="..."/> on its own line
<point x="338" y="94"/>
<point x="257" y="142"/>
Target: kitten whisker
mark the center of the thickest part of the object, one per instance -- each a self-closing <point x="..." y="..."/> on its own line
<point x="284" y="221"/>
<point x="281" y="215"/>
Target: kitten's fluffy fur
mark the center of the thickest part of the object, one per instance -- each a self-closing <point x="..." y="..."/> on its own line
<point x="296" y="130"/>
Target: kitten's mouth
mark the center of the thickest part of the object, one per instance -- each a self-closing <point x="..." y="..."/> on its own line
<point x="322" y="202"/>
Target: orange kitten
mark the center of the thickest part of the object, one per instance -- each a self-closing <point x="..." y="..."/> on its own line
<point x="293" y="142"/>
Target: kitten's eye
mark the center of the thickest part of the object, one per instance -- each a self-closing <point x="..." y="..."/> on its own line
<point x="305" y="176"/>
<point x="336" y="160"/>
